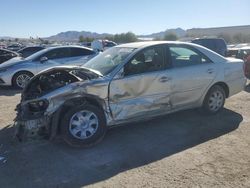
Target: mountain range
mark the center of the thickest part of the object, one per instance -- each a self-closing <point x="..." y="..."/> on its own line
<point x="195" y="32"/>
<point x="74" y="35"/>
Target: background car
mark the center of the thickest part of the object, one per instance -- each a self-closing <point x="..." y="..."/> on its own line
<point x="218" y="45"/>
<point x="18" y="71"/>
<point x="127" y="83"/>
<point x="243" y="52"/>
<point x="25" y="52"/>
<point x="15" y="47"/>
<point x="5" y="55"/>
<point x="102" y="45"/>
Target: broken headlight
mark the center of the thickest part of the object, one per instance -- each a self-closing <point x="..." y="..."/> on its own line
<point x="38" y="106"/>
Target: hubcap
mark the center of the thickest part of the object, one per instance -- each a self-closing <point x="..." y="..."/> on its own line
<point x="22" y="80"/>
<point x="215" y="101"/>
<point x="83" y="124"/>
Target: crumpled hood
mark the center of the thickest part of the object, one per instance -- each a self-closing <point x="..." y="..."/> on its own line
<point x="12" y="62"/>
<point x="50" y="80"/>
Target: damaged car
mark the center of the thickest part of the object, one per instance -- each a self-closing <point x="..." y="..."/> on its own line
<point x="126" y="83"/>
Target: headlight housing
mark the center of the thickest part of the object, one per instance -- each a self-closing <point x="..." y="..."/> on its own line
<point x="38" y="106"/>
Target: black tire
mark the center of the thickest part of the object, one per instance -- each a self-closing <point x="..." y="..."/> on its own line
<point x="207" y="104"/>
<point x="87" y="142"/>
<point x="14" y="79"/>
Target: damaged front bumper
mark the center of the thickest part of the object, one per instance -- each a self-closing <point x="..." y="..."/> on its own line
<point x="26" y="129"/>
<point x="31" y="125"/>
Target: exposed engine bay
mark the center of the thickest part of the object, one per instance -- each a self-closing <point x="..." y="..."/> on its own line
<point x="54" y="79"/>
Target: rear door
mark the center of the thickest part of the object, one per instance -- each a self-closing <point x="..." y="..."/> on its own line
<point x="193" y="72"/>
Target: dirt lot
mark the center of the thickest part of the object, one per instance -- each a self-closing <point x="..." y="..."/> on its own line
<point x="184" y="149"/>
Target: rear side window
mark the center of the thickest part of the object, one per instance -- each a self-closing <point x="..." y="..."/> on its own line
<point x="58" y="53"/>
<point x="183" y="56"/>
<point x="80" y="52"/>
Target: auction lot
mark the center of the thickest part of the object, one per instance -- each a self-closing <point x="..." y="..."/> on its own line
<point x="185" y="149"/>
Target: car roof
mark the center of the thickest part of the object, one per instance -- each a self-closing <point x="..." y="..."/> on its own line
<point x="151" y="43"/>
<point x="68" y="46"/>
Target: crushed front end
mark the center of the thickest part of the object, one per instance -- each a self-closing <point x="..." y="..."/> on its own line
<point x="31" y="121"/>
<point x="43" y="98"/>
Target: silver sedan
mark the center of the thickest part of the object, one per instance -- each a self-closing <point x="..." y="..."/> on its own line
<point x="126" y="83"/>
<point x="18" y="71"/>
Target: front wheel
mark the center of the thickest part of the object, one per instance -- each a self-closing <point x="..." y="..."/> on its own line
<point x="83" y="126"/>
<point x="214" y="100"/>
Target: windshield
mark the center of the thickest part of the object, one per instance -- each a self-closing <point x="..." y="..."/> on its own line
<point x="107" y="61"/>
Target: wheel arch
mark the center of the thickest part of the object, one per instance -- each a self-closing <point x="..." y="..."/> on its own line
<point x="56" y="118"/>
<point x="18" y="72"/>
<point x="224" y="86"/>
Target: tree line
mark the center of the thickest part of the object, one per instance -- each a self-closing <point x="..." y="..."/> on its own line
<point x="118" y="38"/>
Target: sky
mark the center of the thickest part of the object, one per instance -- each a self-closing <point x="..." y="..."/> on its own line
<point x="43" y="18"/>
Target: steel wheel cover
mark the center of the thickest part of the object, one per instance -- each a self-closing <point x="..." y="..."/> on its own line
<point x="215" y="101"/>
<point x="83" y="124"/>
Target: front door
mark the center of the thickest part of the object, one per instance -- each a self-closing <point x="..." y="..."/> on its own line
<point x="144" y="90"/>
<point x="56" y="57"/>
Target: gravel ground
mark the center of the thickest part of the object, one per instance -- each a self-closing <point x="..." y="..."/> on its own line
<point x="184" y="149"/>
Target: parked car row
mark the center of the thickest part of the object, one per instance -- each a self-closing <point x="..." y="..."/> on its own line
<point x="126" y="83"/>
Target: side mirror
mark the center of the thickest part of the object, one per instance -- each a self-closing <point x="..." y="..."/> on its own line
<point x="43" y="59"/>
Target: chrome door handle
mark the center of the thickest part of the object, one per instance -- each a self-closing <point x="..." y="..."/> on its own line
<point x="164" y="79"/>
<point x="210" y="71"/>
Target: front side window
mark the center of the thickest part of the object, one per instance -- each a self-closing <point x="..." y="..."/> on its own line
<point x="182" y="56"/>
<point x="148" y="60"/>
<point x="57" y="53"/>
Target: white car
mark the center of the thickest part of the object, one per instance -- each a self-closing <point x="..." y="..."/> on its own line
<point x="18" y="71"/>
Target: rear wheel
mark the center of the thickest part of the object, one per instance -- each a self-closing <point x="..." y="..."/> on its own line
<point x="214" y="100"/>
<point x="83" y="126"/>
<point x="20" y="79"/>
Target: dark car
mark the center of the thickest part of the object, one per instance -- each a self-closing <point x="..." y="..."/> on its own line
<point x="25" y="52"/>
<point x="15" y="47"/>
<point x="5" y="55"/>
<point x="218" y="45"/>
